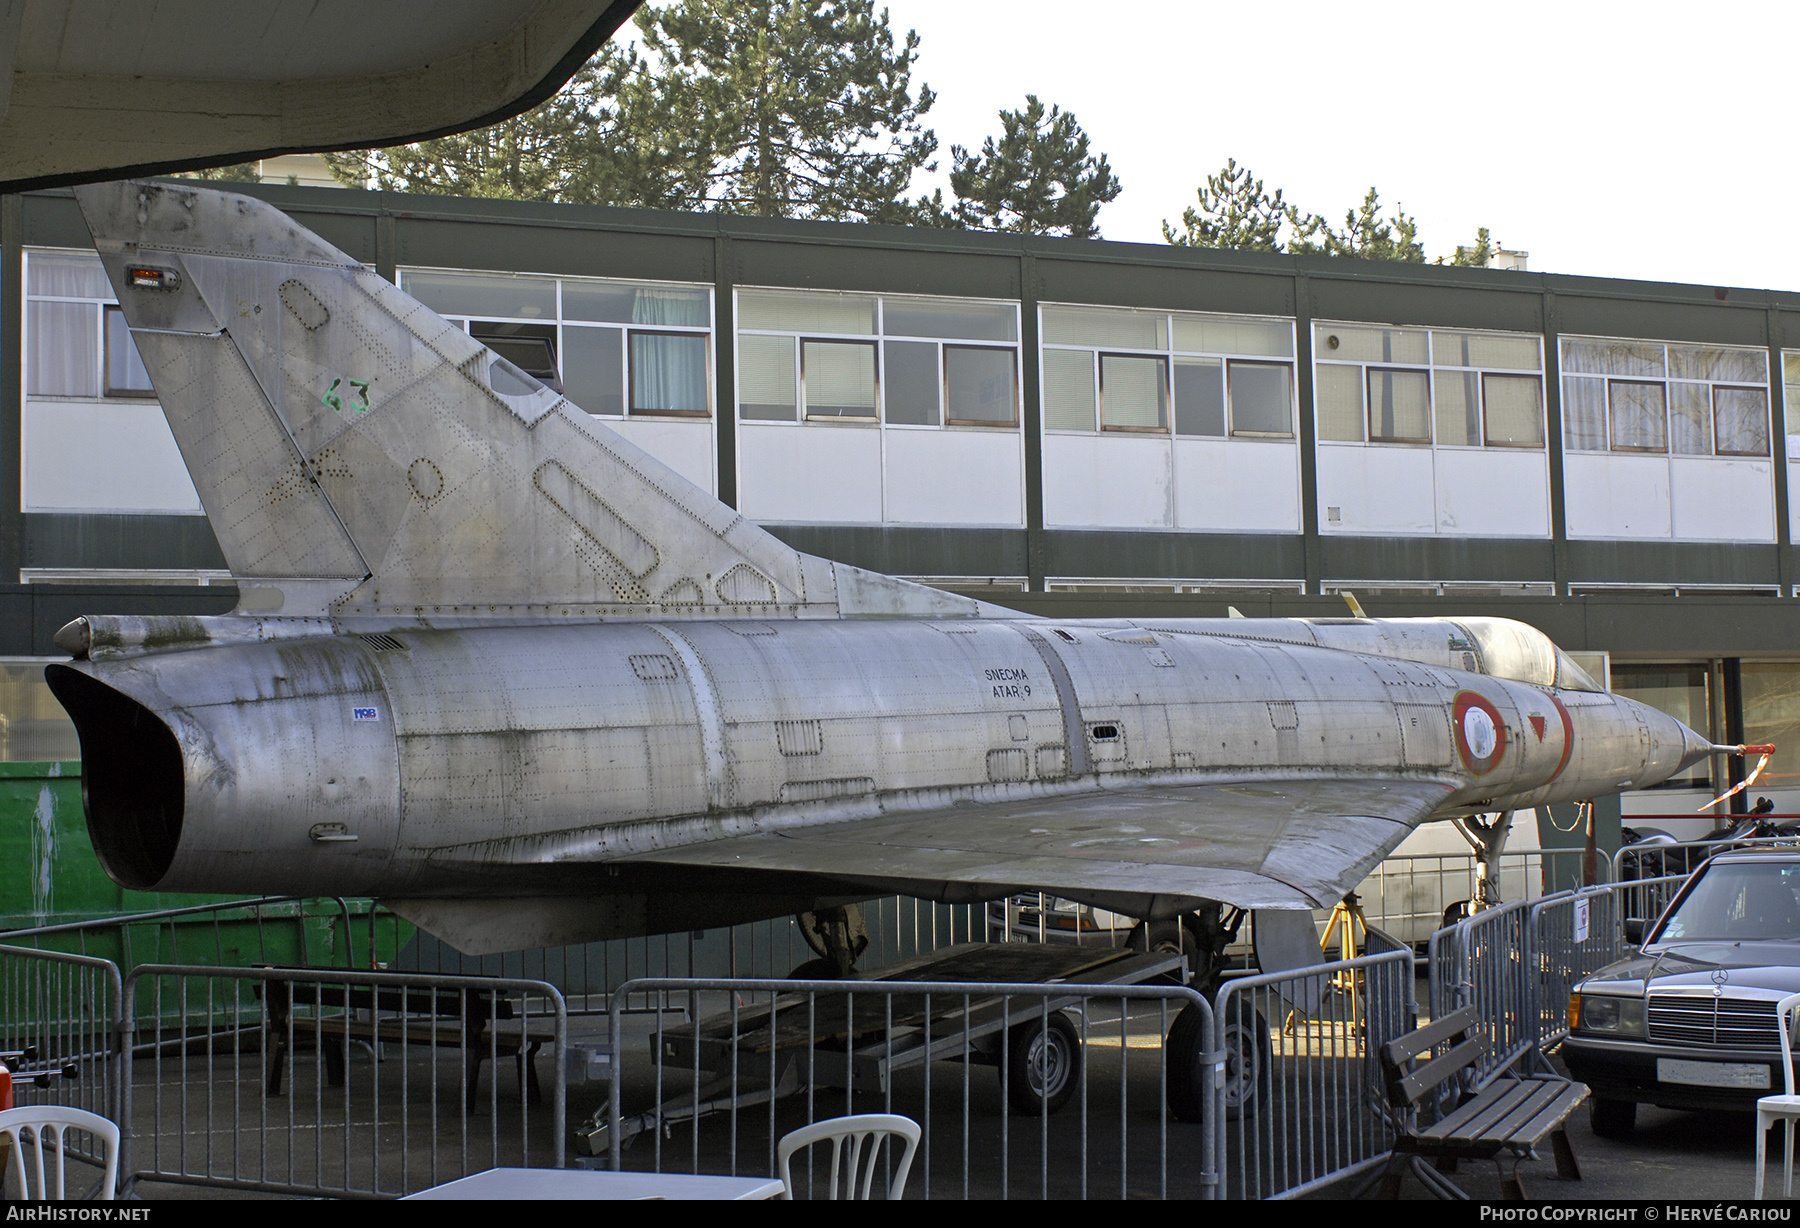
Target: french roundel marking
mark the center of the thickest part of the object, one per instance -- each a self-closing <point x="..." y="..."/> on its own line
<point x="1568" y="727"/>
<point x="1480" y="733"/>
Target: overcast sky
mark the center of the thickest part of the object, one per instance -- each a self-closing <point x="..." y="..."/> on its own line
<point x="1647" y="140"/>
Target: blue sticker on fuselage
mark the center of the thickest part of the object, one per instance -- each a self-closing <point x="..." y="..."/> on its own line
<point x="365" y="714"/>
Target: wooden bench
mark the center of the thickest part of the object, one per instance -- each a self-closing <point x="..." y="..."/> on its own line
<point x="1504" y="1120"/>
<point x="440" y="1018"/>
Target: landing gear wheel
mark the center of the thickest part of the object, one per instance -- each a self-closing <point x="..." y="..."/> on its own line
<point x="1171" y="937"/>
<point x="1612" y="1118"/>
<point x="1043" y="1064"/>
<point x="1246" y="1046"/>
<point x="816" y="970"/>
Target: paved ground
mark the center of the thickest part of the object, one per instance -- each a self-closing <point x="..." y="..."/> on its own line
<point x="978" y="1149"/>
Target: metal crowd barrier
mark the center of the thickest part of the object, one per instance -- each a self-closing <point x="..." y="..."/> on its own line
<point x="323" y="1081"/>
<point x="1488" y="961"/>
<point x="1644" y="899"/>
<point x="1574" y="934"/>
<point x="1408" y="896"/>
<point x="1046" y="1090"/>
<point x="1303" y="1102"/>
<point x="1638" y="861"/>
<point x="59" y="1014"/>
<point x="1516" y="964"/>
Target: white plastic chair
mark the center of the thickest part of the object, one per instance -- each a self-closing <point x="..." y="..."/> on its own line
<point x="56" y="1120"/>
<point x="864" y="1133"/>
<point x="1785" y="1107"/>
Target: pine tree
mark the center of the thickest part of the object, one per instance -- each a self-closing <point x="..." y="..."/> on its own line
<point x="1234" y="212"/>
<point x="1366" y="234"/>
<point x="1038" y="178"/>
<point x="237" y="172"/>
<point x="1475" y="257"/>
<point x="589" y="143"/>
<point x="790" y="108"/>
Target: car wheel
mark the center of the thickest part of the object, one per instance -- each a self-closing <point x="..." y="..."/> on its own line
<point x="1043" y="1064"/>
<point x="1612" y="1118"/>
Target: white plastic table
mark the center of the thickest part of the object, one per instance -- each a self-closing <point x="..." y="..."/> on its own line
<point x="578" y="1183"/>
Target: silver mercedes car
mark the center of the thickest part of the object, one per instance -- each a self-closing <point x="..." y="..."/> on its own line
<point x="1688" y="1022"/>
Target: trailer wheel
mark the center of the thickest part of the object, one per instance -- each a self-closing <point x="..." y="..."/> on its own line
<point x="1171" y="937"/>
<point x="1043" y="1064"/>
<point x="1245" y="1041"/>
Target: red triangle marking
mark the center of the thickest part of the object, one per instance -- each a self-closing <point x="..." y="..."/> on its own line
<point x="1537" y="726"/>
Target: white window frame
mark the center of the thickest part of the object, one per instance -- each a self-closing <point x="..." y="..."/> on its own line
<point x="562" y="323"/>
<point x="1170" y="353"/>
<point x="1767" y="388"/>
<point x="879" y="337"/>
<point x="1431" y="366"/>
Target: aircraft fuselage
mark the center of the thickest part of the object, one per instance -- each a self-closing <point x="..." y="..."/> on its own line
<point x="527" y="759"/>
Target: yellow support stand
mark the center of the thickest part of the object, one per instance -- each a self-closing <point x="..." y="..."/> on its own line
<point x="1350" y="930"/>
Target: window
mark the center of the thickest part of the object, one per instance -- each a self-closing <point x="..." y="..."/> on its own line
<point x="125" y="373"/>
<point x="1069" y="390"/>
<point x="1639" y="416"/>
<point x="668" y="374"/>
<point x="1262" y="399"/>
<point x="1515" y="411"/>
<point x="1644" y="396"/>
<point x="912" y="381"/>
<point x="1204" y="376"/>
<point x="811" y="356"/>
<point x="1427" y="387"/>
<point x="77" y="342"/>
<point x="1199" y="396"/>
<point x="838" y="379"/>
<point x="593" y="361"/>
<point x="610" y="347"/>
<point x="768" y="379"/>
<point x="1399" y="406"/>
<point x="529" y="347"/>
<point x="1678" y="690"/>
<point x="1790" y="367"/>
<point x="981" y="386"/>
<point x="1134" y="393"/>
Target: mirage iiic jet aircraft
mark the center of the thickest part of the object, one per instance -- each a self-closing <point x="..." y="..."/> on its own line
<point x="505" y="671"/>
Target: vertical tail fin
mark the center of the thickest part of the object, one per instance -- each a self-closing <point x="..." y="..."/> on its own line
<point x="366" y="457"/>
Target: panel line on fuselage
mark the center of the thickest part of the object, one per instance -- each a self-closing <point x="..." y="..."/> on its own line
<point x="1065" y="696"/>
<point x="706" y="711"/>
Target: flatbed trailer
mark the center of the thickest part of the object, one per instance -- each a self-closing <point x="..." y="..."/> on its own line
<point x="751" y="1054"/>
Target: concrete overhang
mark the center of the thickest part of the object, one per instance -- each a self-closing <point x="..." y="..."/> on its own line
<point x="105" y="89"/>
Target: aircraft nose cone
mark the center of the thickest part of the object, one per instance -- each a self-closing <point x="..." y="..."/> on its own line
<point x="1694" y="748"/>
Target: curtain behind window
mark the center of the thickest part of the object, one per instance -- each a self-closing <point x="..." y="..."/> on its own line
<point x="1741" y="420"/>
<point x="1640" y="418"/>
<point x="668" y="374"/>
<point x="64" y="358"/>
<point x="1584" y="414"/>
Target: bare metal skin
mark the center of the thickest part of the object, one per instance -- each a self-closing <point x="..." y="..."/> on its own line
<point x="502" y="668"/>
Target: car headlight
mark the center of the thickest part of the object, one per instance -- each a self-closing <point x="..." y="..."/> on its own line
<point x="1606" y="1014"/>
